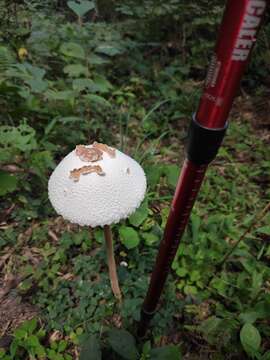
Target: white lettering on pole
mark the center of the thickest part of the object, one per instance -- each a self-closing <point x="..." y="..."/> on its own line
<point x="246" y="38"/>
<point x="256" y="7"/>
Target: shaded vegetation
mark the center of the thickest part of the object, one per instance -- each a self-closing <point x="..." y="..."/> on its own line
<point x="129" y="74"/>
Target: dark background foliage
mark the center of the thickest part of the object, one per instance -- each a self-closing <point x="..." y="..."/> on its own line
<point x="128" y="73"/>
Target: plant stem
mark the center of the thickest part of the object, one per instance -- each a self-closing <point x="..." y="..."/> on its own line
<point x="111" y="263"/>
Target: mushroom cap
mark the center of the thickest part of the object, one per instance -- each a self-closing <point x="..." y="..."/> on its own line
<point x="97" y="199"/>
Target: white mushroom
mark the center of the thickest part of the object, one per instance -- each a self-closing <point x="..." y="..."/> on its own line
<point x="97" y="189"/>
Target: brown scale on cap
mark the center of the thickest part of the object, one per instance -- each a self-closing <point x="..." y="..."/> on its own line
<point x="105" y="148"/>
<point x="88" y="169"/>
<point x="88" y="154"/>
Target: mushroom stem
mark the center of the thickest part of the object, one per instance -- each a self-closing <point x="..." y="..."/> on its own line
<point x="111" y="263"/>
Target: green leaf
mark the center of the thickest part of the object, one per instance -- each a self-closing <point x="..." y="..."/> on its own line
<point x="91" y="349"/>
<point x="20" y="333"/>
<point x="153" y="173"/>
<point x="137" y="218"/>
<point x="181" y="272"/>
<point x="41" y="162"/>
<point x="21" y="137"/>
<point x="123" y="343"/>
<point x="129" y="237"/>
<point x="74" y="50"/>
<point x="8" y="183"/>
<point x="98" y="100"/>
<point x="94" y="59"/>
<point x="81" y="8"/>
<point x="150" y="238"/>
<point x="100" y="84"/>
<point x="63" y="95"/>
<point x="264" y="230"/>
<point x="37" y="85"/>
<point x="108" y="49"/>
<point x="250" y="339"/>
<point x="32" y="341"/>
<point x="169" y="352"/>
<point x="82" y="84"/>
<point x="75" y="70"/>
<point x="172" y="174"/>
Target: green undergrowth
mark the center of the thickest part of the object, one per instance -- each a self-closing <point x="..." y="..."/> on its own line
<point x="67" y="79"/>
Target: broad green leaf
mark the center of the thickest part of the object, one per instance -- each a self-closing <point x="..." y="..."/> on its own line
<point x="32" y="341"/>
<point x="249" y="317"/>
<point x="150" y="238"/>
<point x="108" y="49"/>
<point x="62" y="345"/>
<point x="137" y="218"/>
<point x="75" y="70"/>
<point x="94" y="59"/>
<point x="74" y="50"/>
<point x="37" y="85"/>
<point x="96" y="99"/>
<point x="20" y="333"/>
<point x="123" y="343"/>
<point x="99" y="235"/>
<point x="172" y="173"/>
<point x="129" y="237"/>
<point x="21" y="137"/>
<point x="250" y="339"/>
<point x="100" y="84"/>
<point x="8" y="183"/>
<point x="91" y="349"/>
<point x="153" y="174"/>
<point x="82" y="7"/>
<point x="82" y="84"/>
<point x="63" y="95"/>
<point x="181" y="272"/>
<point x="169" y="352"/>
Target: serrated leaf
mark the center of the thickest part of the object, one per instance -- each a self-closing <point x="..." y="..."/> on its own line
<point x="8" y="183"/>
<point x="91" y="349"/>
<point x="250" y="339"/>
<point x="123" y="343"/>
<point x="138" y="217"/>
<point x="169" y="352"/>
<point x="81" y="8"/>
<point x="129" y="237"/>
<point x="74" y="50"/>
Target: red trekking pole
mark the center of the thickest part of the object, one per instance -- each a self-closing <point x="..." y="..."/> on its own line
<point x="237" y="36"/>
